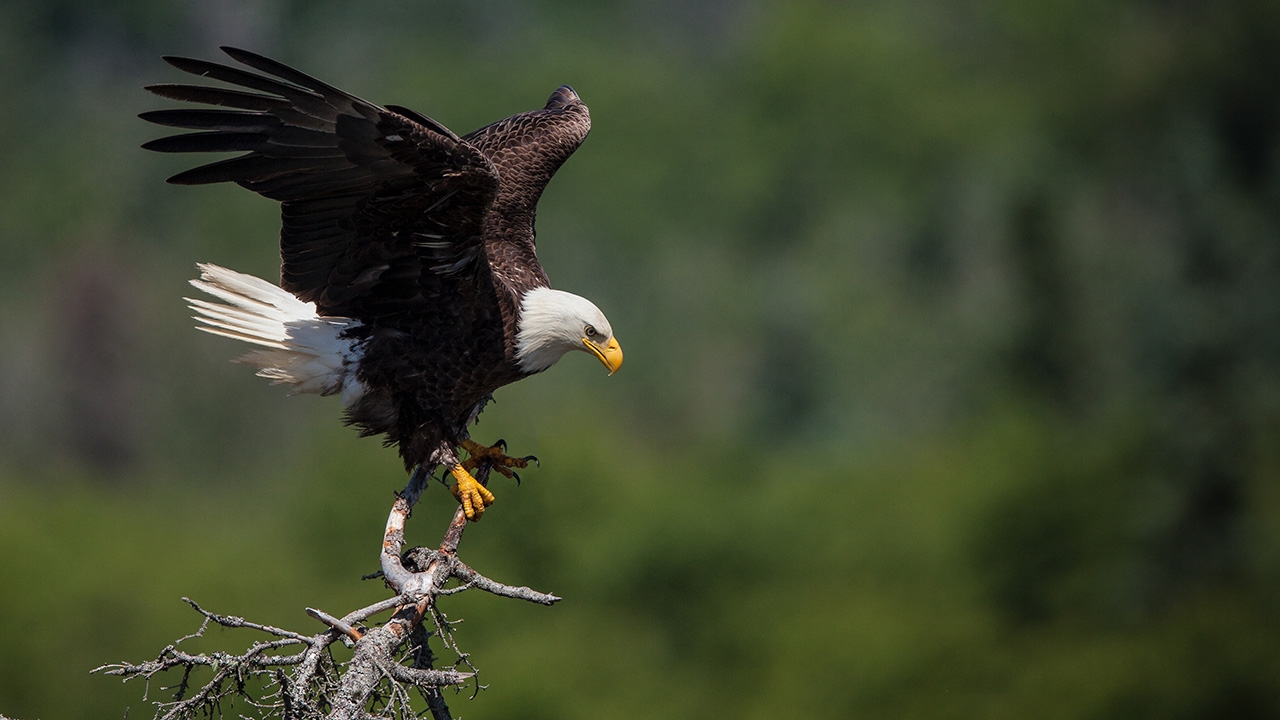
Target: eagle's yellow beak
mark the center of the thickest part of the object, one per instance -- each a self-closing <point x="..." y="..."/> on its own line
<point x="610" y="355"/>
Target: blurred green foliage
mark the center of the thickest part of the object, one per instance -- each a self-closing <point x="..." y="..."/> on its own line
<point x="953" y="379"/>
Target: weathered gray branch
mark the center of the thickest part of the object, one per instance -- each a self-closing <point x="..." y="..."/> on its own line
<point x="295" y="675"/>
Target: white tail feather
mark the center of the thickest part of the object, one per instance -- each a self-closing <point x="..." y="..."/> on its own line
<point x="306" y="350"/>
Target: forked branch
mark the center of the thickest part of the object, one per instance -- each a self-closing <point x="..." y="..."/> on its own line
<point x="291" y="675"/>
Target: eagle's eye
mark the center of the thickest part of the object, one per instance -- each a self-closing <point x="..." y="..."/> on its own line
<point x="590" y="331"/>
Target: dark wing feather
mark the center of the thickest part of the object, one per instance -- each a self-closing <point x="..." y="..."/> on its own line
<point x="527" y="149"/>
<point x="377" y="203"/>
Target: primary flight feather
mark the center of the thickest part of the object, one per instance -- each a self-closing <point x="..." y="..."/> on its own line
<point x="410" y="282"/>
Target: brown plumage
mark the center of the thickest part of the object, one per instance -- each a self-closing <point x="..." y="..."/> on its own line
<point x="415" y="246"/>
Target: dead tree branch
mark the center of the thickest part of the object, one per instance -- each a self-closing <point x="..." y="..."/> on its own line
<point x="292" y="676"/>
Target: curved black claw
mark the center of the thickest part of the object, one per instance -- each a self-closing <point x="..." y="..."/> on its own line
<point x="533" y="459"/>
<point x="502" y="444"/>
<point x="516" y="475"/>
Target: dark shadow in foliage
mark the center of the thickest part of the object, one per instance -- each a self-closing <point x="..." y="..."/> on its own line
<point x="786" y="383"/>
<point x="1067" y="541"/>
<point x="1041" y="357"/>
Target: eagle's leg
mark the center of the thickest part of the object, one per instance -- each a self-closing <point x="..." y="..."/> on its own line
<point x="496" y="454"/>
<point x="473" y="496"/>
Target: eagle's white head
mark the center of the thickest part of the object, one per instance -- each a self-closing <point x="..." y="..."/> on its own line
<point x="553" y="322"/>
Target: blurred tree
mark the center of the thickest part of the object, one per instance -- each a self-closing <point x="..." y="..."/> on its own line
<point x="96" y="343"/>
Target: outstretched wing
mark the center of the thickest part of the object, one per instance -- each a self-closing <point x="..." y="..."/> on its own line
<point x="527" y="149"/>
<point x="378" y="203"/>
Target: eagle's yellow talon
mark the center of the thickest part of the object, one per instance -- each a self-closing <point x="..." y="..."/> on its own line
<point x="473" y="496"/>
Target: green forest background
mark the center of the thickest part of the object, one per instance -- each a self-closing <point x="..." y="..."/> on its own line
<point x="953" y="360"/>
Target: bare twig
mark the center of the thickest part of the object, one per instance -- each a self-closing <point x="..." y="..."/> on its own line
<point x="232" y="621"/>
<point x="476" y="580"/>
<point x="351" y="633"/>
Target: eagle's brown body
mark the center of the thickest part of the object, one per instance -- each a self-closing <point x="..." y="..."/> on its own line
<point x="422" y="239"/>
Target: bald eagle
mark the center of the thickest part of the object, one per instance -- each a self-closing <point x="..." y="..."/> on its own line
<point x="410" y="283"/>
